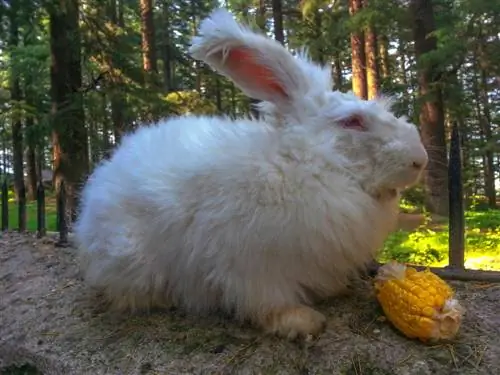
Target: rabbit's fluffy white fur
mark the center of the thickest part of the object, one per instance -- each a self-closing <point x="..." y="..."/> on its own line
<point x="255" y="217"/>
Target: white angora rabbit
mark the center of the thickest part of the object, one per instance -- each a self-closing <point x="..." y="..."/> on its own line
<point x="255" y="217"/>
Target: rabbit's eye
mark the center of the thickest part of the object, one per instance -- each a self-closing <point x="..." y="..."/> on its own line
<point x="353" y="122"/>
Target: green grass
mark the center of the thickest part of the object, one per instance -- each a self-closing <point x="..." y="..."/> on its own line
<point x="31" y="215"/>
<point x="428" y="245"/>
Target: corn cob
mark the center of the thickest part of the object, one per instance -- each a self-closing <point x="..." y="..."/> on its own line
<point x="419" y="304"/>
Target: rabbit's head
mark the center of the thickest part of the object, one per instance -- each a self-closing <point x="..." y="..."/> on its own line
<point x="362" y="138"/>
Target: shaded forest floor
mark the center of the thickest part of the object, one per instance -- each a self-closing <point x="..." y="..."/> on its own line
<point x="50" y="320"/>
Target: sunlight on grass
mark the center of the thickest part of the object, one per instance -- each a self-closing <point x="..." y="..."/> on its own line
<point x="31" y="215"/>
<point x="430" y="247"/>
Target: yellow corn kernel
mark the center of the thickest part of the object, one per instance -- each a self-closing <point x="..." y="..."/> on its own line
<point x="419" y="304"/>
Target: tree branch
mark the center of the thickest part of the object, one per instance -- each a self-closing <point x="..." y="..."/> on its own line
<point x="92" y="85"/>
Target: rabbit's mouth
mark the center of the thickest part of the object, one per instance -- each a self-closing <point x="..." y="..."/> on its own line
<point x="384" y="195"/>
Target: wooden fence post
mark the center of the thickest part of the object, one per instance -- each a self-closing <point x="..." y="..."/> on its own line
<point x="40" y="205"/>
<point x="62" y="224"/>
<point x="21" y="210"/>
<point x="5" y="206"/>
<point x="456" y="215"/>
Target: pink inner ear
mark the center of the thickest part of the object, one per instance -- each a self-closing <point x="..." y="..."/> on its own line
<point x="353" y="122"/>
<point x="241" y="63"/>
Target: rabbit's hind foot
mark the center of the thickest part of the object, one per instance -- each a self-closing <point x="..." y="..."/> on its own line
<point x="293" y="322"/>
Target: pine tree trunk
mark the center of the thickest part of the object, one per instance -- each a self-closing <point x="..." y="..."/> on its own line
<point x="359" y="86"/>
<point x="69" y="135"/>
<point x="166" y="51"/>
<point x="196" y="64"/>
<point x="94" y="151"/>
<point x="106" y="126"/>
<point x="233" y="100"/>
<point x="121" y="19"/>
<point x="218" y="95"/>
<point x="31" y="162"/>
<point x="431" y="111"/>
<point x="149" y="63"/>
<point x="31" y="143"/>
<point x="117" y="100"/>
<point x="261" y="23"/>
<point x="117" y="117"/>
<point x="485" y="120"/>
<point x="372" y="71"/>
<point x="402" y="56"/>
<point x="338" y="78"/>
<point x="31" y="138"/>
<point x="466" y="165"/>
<point x="318" y="30"/>
<point x="383" y="50"/>
<point x="17" y="126"/>
<point x="278" y="21"/>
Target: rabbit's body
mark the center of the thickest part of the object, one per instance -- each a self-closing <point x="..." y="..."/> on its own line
<point x="256" y="217"/>
<point x="232" y="214"/>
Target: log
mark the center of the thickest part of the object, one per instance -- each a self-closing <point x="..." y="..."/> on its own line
<point x="451" y="273"/>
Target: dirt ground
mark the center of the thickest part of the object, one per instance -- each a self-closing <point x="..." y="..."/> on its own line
<point x="50" y="320"/>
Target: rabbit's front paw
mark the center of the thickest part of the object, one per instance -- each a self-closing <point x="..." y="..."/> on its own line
<point x="292" y="322"/>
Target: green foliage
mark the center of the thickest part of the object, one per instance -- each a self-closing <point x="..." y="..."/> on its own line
<point x="466" y="62"/>
<point x="429" y="246"/>
<point x="413" y="197"/>
<point x="479" y="203"/>
<point x="488" y="220"/>
<point x="407" y="206"/>
<point x="11" y="196"/>
<point x="31" y="213"/>
<point x="190" y="102"/>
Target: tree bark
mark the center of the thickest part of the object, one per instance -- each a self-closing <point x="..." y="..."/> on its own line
<point x="261" y="23"/>
<point x="218" y="95"/>
<point x="117" y="100"/>
<point x="117" y="116"/>
<point x="431" y="111"/>
<point x="149" y="59"/>
<point x="402" y="56"/>
<point x="166" y="51"/>
<point x="278" y="21"/>
<point x="31" y="139"/>
<point x="359" y="86"/>
<point x="338" y="78"/>
<point x="69" y="135"/>
<point x="196" y="64"/>
<point x="485" y="121"/>
<point x="106" y="126"/>
<point x="31" y="162"/>
<point x="121" y="18"/>
<point x="318" y="31"/>
<point x="372" y="71"/>
<point x="383" y="48"/>
<point x="31" y="142"/>
<point x="17" y="126"/>
<point x="466" y="165"/>
<point x="148" y="37"/>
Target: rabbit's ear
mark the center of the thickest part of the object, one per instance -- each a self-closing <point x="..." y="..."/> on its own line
<point x="258" y="65"/>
